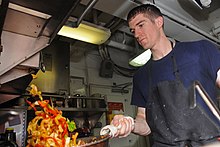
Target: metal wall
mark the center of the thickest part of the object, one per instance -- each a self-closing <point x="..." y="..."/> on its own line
<point x="56" y="60"/>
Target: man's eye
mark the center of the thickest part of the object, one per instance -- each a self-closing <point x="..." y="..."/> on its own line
<point x="141" y="25"/>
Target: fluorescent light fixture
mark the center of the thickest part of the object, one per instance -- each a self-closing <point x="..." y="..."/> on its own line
<point x="141" y="59"/>
<point x="206" y="3"/>
<point x="86" y="32"/>
<point x="202" y="3"/>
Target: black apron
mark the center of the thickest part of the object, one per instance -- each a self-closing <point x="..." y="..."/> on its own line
<point x="171" y="120"/>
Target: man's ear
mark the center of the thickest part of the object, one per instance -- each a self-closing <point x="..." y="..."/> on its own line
<point x="159" y="21"/>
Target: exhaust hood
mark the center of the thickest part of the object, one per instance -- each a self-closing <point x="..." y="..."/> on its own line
<point x="28" y="27"/>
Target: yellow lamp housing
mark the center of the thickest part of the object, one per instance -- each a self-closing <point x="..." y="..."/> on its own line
<point x="86" y="32"/>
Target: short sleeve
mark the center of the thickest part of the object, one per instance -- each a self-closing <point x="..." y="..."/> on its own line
<point x="137" y="95"/>
<point x="212" y="53"/>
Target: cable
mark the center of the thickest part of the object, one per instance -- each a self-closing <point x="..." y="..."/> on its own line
<point x="121" y="73"/>
<point x="101" y="52"/>
<point x="105" y="55"/>
<point x="126" y="69"/>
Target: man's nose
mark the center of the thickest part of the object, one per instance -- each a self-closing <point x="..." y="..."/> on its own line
<point x="136" y="34"/>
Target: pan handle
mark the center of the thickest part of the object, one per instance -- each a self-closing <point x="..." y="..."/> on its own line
<point x="214" y="109"/>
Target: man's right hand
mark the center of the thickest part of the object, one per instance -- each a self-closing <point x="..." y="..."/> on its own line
<point x="125" y="125"/>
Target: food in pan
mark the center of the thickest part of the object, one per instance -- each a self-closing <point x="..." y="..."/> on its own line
<point x="49" y="128"/>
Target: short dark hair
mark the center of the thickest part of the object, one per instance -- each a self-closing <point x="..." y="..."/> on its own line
<point x="149" y="10"/>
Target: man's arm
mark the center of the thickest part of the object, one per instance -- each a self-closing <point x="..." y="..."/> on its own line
<point x="140" y="126"/>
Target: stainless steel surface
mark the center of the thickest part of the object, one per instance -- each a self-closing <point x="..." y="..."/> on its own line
<point x="86" y="111"/>
<point x="7" y="115"/>
<point x="32" y="28"/>
<point x="14" y="88"/>
<point x="56" y="59"/>
<point x="29" y="32"/>
<point x="17" y="49"/>
<point x="17" y="120"/>
<point x="86" y="118"/>
<point x="29" y="27"/>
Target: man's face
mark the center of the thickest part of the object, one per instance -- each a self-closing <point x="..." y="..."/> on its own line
<point x="145" y="30"/>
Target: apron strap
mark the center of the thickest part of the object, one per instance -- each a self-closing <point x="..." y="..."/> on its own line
<point x="175" y="69"/>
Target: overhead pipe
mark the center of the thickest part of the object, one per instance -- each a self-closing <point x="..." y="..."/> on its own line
<point x="89" y="7"/>
<point x="216" y="31"/>
<point x="120" y="46"/>
<point x="202" y="3"/>
<point x="3" y="12"/>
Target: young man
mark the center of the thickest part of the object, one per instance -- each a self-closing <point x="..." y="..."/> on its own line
<point x="163" y="87"/>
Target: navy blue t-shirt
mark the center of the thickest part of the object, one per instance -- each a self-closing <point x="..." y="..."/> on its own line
<point x="199" y="60"/>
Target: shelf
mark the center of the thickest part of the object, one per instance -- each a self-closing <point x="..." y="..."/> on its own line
<point x="82" y="109"/>
<point x="62" y="109"/>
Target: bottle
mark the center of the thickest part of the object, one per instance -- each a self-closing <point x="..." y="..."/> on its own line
<point x="2" y="138"/>
<point x="10" y="138"/>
